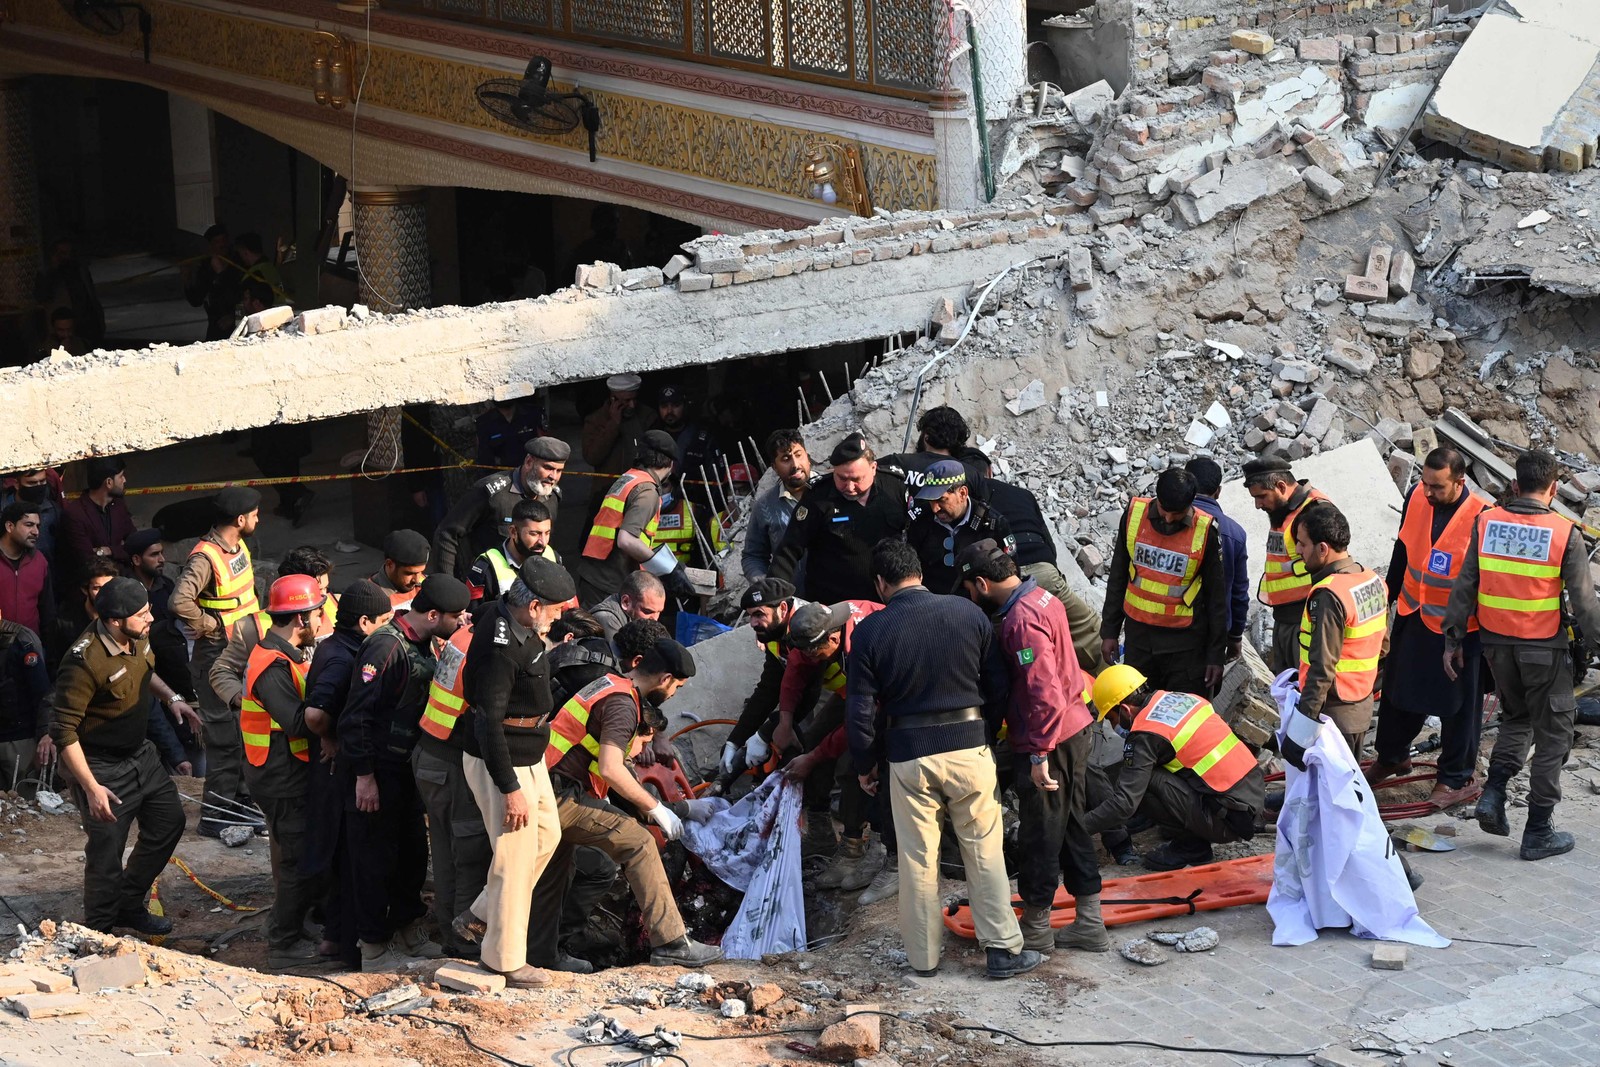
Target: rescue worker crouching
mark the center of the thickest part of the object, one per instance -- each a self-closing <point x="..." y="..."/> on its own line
<point x="768" y="605"/>
<point x="1184" y="769"/>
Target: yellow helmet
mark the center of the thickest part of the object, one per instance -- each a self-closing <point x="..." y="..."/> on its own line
<point x="1114" y="685"/>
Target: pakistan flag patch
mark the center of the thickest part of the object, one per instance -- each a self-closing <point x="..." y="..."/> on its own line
<point x="1025" y="656"/>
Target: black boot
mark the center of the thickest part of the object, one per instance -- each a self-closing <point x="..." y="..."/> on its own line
<point x="1491" y="810"/>
<point x="1541" y="840"/>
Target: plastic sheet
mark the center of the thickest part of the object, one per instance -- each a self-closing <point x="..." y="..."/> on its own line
<point x="754" y="846"/>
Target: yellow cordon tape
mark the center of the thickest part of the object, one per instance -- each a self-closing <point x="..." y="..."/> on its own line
<point x="207" y="890"/>
<point x="196" y="487"/>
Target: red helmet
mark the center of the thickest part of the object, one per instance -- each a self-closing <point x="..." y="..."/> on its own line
<point x="294" y="593"/>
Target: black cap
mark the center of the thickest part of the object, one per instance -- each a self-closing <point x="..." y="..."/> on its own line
<point x="549" y="582"/>
<point x="942" y="477"/>
<point x="442" y="593"/>
<point x="120" y="598"/>
<point x="810" y="625"/>
<point x="978" y="552"/>
<point x="1267" y="465"/>
<point x="660" y="441"/>
<point x="139" y="543"/>
<point x="237" y="500"/>
<point x="553" y="449"/>
<point x="406" y="547"/>
<point x="362" y="597"/>
<point x="669" y="657"/>
<point x="765" y="591"/>
<point x="852" y="448"/>
<point x="671" y="394"/>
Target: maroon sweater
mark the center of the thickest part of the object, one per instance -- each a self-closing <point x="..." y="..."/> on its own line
<point x="25" y="594"/>
<point x="1046" y="682"/>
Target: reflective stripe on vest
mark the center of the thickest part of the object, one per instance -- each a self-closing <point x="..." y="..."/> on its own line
<point x="445" y="700"/>
<point x="1201" y="742"/>
<point x="504" y="572"/>
<point x="1284" y="578"/>
<point x="1432" y="566"/>
<point x="675" y="528"/>
<point x="231" y="592"/>
<point x="1366" y="616"/>
<point x="1519" y="572"/>
<point x="833" y="677"/>
<point x="255" y="722"/>
<point x="570" y="727"/>
<point x="1163" y="569"/>
<point x="608" y="520"/>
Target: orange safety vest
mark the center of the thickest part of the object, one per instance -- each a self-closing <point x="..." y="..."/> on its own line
<point x="1201" y="741"/>
<point x="1163" y="569"/>
<point x="233" y="584"/>
<point x="675" y="528"/>
<point x="1519" y="572"/>
<point x="445" y="701"/>
<point x="1432" y="566"/>
<point x="1366" y="617"/>
<point x="608" y="520"/>
<point x="255" y="722"/>
<point x="1284" y="578"/>
<point x="570" y="727"/>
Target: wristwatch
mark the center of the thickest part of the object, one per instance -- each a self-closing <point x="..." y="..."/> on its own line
<point x="1037" y="760"/>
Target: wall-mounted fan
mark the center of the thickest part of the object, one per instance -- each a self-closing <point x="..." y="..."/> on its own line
<point x="106" y="17"/>
<point x="528" y="104"/>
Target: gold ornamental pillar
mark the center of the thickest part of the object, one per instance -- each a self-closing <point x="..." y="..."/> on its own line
<point x="391" y="239"/>
<point x="19" y="201"/>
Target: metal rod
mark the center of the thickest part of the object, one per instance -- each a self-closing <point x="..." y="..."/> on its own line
<point x="755" y="450"/>
<point x="712" y="497"/>
<point x="847" y="375"/>
<point x="706" y="548"/>
<point x="749" y="469"/>
<point x="241" y="808"/>
<point x="825" y="387"/>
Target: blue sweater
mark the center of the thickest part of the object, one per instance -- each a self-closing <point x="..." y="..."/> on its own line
<point x="923" y="653"/>
<point x="1235" y="557"/>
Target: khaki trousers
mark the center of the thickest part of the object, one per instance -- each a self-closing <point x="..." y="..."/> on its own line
<point x="921" y="792"/>
<point x="520" y="856"/>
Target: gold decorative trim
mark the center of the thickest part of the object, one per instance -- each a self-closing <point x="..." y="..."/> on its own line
<point x="389" y="197"/>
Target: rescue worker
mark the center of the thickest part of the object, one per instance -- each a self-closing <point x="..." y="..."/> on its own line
<point x="768" y="605"/>
<point x="508" y="687"/>
<point x="405" y="565"/>
<point x="1235" y="548"/>
<point x="277" y="760"/>
<point x="925" y="675"/>
<point x="1165" y="593"/>
<point x="215" y="592"/>
<point x="387" y="847"/>
<point x="675" y="527"/>
<point x="99" y="718"/>
<point x="695" y="447"/>
<point x="1522" y="558"/>
<point x="1184" y="770"/>
<point x="1049" y="727"/>
<point x="1341" y="627"/>
<point x="495" y="569"/>
<point x="479" y="519"/>
<point x="950" y="517"/>
<point x="1285" y="580"/>
<point x="591" y="738"/>
<point x="1435" y="529"/>
<point x="641" y="596"/>
<point x="835" y="528"/>
<point x="622" y="537"/>
<point x="505" y="429"/>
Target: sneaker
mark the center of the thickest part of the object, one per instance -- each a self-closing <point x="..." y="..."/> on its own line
<point x="885" y="885"/>
<point x="412" y="940"/>
<point x="301" y="953"/>
<point x="684" y="952"/>
<point x="380" y="956"/>
<point x="469" y="928"/>
<point x="142" y="921"/>
<point x="1003" y="964"/>
<point x="1174" y="856"/>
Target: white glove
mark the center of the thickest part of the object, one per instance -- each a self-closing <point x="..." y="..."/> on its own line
<point x="662" y="563"/>
<point x="671" y="826"/>
<point x="698" y="810"/>
<point x="756" y="751"/>
<point x="729" y="750"/>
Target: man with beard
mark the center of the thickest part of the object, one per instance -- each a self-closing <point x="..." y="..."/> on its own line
<point x="768" y="605"/>
<point x="529" y="536"/>
<point x="98" y="723"/>
<point x="147" y="562"/>
<point x="95" y="525"/>
<point x="481" y="518"/>
<point x="774" y="506"/>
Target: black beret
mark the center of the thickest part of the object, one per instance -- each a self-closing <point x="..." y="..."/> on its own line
<point x="852" y="448"/>
<point x="1267" y="465"/>
<point x="121" y="597"/>
<point x="141" y="542"/>
<point x="553" y="449"/>
<point x="765" y="591"/>
<point x="406" y="547"/>
<point x="238" y="500"/>
<point x="443" y="593"/>
<point x="660" y="441"/>
<point x="978" y="552"/>
<point x="668" y="656"/>
<point x="549" y="582"/>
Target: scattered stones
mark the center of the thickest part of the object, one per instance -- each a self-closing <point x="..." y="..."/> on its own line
<point x="1536" y="218"/>
<point x="1424" y="359"/>
<point x="764" y="996"/>
<point x="235" y="836"/>
<point x="732" y="1008"/>
<point x="1200" y="939"/>
<point x="855" y="1037"/>
<point x="1030" y="399"/>
<point x="469" y="979"/>
<point x="117" y="972"/>
<point x="1356" y="359"/>
<point x="1389" y="956"/>
<point x="1143" y="951"/>
<point x="699" y="982"/>
<point x="1561" y="379"/>
<point x="391" y="997"/>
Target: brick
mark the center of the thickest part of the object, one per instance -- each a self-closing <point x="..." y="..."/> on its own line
<point x="719" y="259"/>
<point x="49" y="1005"/>
<point x="115" y="972"/>
<point x="1357" y="287"/>
<point x="643" y="278"/>
<point x="1407" y="42"/>
<point x="1389" y="956"/>
<point x="1321" y="183"/>
<point x="692" y="281"/>
<point x="1402" y="273"/>
<point x="1219" y="83"/>
<point x="1138" y="153"/>
<point x="1386" y="44"/>
<point x="469" y="979"/>
<point x="675" y="266"/>
<point x="1106" y="214"/>
<point x="1119" y="169"/>
<point x="1257" y="44"/>
<point x="321" y="320"/>
<point x="1378" y="260"/>
<point x="1319" y="49"/>
<point x="1080" y="269"/>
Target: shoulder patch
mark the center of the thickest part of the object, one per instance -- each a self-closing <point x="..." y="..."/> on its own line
<point x="369" y="671"/>
<point x="30" y="658"/>
<point x="79" y="645"/>
<point x="497" y="483"/>
<point x="502" y="633"/>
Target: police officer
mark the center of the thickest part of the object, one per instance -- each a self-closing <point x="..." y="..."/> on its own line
<point x="98" y="720"/>
<point x="695" y="445"/>
<point x="478" y="520"/>
<point x="24" y="704"/>
<point x="405" y="564"/>
<point x="1285" y="581"/>
<point x="620" y="541"/>
<point x="1521" y="560"/>
<point x="1165" y="589"/>
<point x="505" y="430"/>
<point x="529" y="535"/>
<point x="952" y="515"/>
<point x="838" y="523"/>
<point x="216" y="591"/>
<point x="387" y="841"/>
<point x="1183" y="769"/>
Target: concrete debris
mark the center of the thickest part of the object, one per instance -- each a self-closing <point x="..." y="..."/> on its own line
<point x="1217" y="415"/>
<point x="1536" y="218"/>
<point x="1090" y="102"/>
<point x="855" y="1037"/>
<point x="732" y="1008"/>
<point x="1322" y="183"/>
<point x="675" y="266"/>
<point x="642" y="278"/>
<point x="236" y="836"/>
<point x="1030" y="399"/>
<point x="270" y="319"/>
<point x="699" y="982"/>
<point x="1143" y="951"/>
<point x="1389" y="956"/>
<point x="1343" y="1057"/>
<point x="117" y="972"/>
<point x="320" y="320"/>
<point x="391" y="997"/>
<point x="469" y="979"/>
<point x="1200" y="939"/>
<point x="1242" y="185"/>
<point x="48" y="1005"/>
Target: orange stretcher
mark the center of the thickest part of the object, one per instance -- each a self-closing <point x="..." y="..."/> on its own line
<point x="1210" y="887"/>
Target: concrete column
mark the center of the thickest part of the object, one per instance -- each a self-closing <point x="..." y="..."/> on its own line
<point x="391" y="238"/>
<point x="955" y="146"/>
<point x="1002" y="29"/>
<point x="19" y="201"/>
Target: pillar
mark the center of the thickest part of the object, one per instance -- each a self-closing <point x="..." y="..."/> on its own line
<point x="1002" y="31"/>
<point x="19" y="211"/>
<point x="391" y="239"/>
<point x="955" y="147"/>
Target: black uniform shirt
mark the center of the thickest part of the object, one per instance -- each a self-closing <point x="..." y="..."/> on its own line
<point x="835" y="535"/>
<point x="507" y="676"/>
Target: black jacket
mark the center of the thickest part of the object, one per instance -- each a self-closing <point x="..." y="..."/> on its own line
<point x="835" y="536"/>
<point x="928" y="535"/>
<point x="507" y="676"/>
